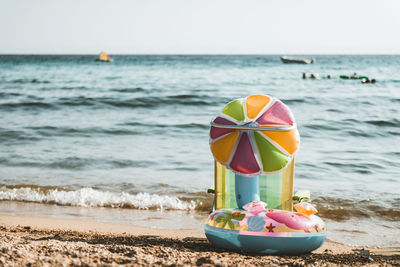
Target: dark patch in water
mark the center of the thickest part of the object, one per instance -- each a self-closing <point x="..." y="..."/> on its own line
<point x="130" y="163"/>
<point x="394" y="133"/>
<point x="74" y="88"/>
<point x="28" y="81"/>
<point x="129" y="90"/>
<point x="28" y="105"/>
<point x="391" y="214"/>
<point x="6" y="94"/>
<point x="354" y="166"/>
<point x="389" y="123"/>
<point x="77" y="101"/>
<point x="7" y="136"/>
<point x="335" y="110"/>
<point x="111" y="78"/>
<point x="293" y="101"/>
<point x="67" y="163"/>
<point x="368" y="103"/>
<point x="350" y="121"/>
<point x="321" y="127"/>
<point x="359" y="133"/>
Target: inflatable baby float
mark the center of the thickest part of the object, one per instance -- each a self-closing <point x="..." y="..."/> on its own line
<point x="254" y="141"/>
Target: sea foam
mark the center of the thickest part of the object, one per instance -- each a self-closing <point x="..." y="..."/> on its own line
<point x="89" y="197"/>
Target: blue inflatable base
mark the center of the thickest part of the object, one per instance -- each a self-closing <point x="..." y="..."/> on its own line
<point x="299" y="243"/>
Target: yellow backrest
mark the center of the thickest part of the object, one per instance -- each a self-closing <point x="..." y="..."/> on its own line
<point x="275" y="189"/>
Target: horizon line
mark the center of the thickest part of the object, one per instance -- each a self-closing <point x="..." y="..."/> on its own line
<point x="195" y="54"/>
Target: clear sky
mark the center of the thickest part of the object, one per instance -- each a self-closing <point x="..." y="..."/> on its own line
<point x="200" y="26"/>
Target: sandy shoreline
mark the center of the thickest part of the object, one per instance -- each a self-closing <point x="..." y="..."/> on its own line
<point x="50" y="241"/>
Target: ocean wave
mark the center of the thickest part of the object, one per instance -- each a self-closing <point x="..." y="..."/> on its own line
<point x="153" y="101"/>
<point x="338" y="209"/>
<point x="70" y="163"/>
<point x="159" y="125"/>
<point x="385" y="123"/>
<point x="36" y="133"/>
<point x="29" y="81"/>
<point x="394" y="81"/>
<point x="100" y="102"/>
<point x="395" y="133"/>
<point x="89" y="197"/>
<point x="293" y="101"/>
<point x="128" y="90"/>
<point x="361" y="133"/>
<point x="128" y="128"/>
<point x="355" y="166"/>
<point x="72" y="88"/>
<point x="326" y="127"/>
<point x="335" y="110"/>
<point x="11" y="94"/>
<point x="140" y="102"/>
<point x="78" y="163"/>
<point x="7" y="135"/>
<point x="353" y="127"/>
<point x="309" y="100"/>
<point x="26" y="105"/>
<point x="65" y="131"/>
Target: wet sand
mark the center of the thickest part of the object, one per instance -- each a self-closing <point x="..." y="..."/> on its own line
<point x="38" y="241"/>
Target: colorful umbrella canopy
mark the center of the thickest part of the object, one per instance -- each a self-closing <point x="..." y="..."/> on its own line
<point x="255" y="135"/>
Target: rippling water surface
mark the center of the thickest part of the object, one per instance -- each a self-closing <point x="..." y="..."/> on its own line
<point x="133" y="134"/>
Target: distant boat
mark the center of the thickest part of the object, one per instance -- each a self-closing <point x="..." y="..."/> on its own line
<point x="293" y="60"/>
<point x="355" y="76"/>
<point x="103" y="57"/>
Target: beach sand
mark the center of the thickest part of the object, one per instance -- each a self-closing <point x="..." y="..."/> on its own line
<point x="39" y="241"/>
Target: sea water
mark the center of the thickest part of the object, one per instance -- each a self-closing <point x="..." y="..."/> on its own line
<point x="127" y="141"/>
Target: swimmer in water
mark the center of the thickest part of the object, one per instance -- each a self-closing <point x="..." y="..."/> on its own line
<point x="368" y="81"/>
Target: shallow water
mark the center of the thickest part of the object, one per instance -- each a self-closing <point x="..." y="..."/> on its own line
<point x="133" y="134"/>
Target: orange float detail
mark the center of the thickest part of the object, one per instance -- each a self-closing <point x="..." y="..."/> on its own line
<point x="222" y="148"/>
<point x="255" y="103"/>
<point x="289" y="140"/>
